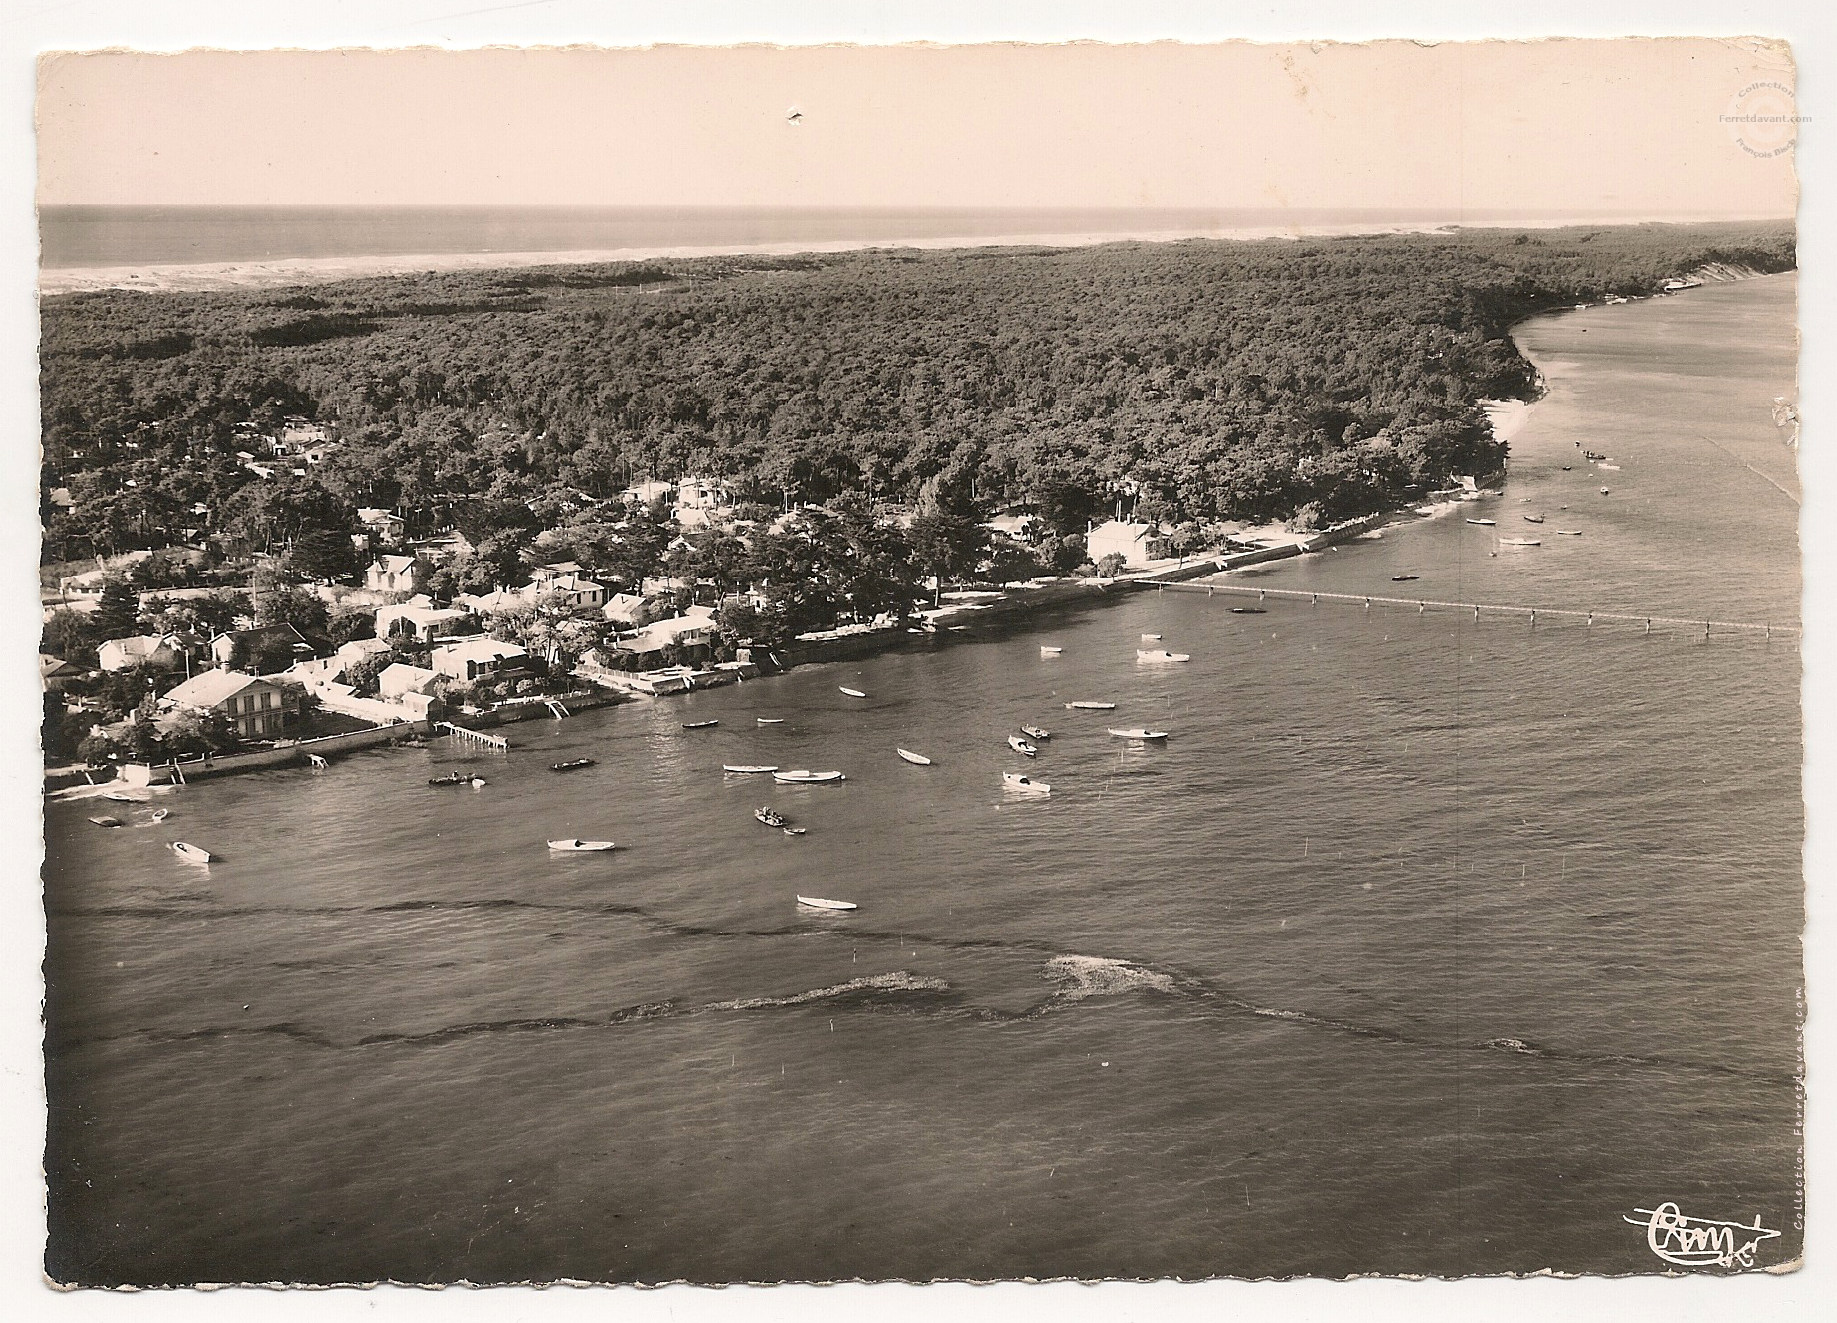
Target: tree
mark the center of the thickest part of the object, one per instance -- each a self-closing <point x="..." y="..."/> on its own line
<point x="278" y="601"/>
<point x="1111" y="565"/>
<point x="72" y="636"/>
<point x="346" y="626"/>
<point x="1011" y="562"/>
<point x="117" y="615"/>
<point x="323" y="554"/>
<point x="948" y="546"/>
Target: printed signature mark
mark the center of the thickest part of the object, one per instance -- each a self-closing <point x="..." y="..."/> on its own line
<point x="1699" y="1242"/>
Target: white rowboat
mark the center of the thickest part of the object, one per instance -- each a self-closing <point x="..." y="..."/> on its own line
<point x="818" y="903"/>
<point x="916" y="759"/>
<point x="804" y="776"/>
<point x="770" y="721"/>
<point x="1046" y="651"/>
<point x="1569" y="532"/>
<point x="1019" y="745"/>
<point x="1016" y="781"/>
<point x="1152" y="638"/>
<point x="191" y="854"/>
<point x="1090" y="707"/>
<point x="1483" y="523"/>
<point x="852" y="693"/>
<point x="1158" y="655"/>
<point x="578" y="846"/>
<point x="748" y="769"/>
<point x="1139" y="733"/>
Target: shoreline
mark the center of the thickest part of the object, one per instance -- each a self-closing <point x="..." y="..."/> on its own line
<point x="259" y="273"/>
<point x="1018" y="604"/>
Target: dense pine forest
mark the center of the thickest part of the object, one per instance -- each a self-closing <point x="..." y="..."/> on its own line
<point x="1309" y="380"/>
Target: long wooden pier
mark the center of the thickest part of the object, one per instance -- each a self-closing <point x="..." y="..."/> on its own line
<point x="1424" y="604"/>
<point x="497" y="742"/>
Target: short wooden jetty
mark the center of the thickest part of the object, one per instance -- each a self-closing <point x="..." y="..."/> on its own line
<point x="1478" y="609"/>
<point x="497" y="742"/>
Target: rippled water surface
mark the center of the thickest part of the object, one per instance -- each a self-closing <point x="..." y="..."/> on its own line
<point x="1425" y="944"/>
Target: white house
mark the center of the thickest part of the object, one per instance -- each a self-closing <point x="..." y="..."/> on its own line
<point x="421" y="619"/>
<point x="386" y="528"/>
<point x="139" y="650"/>
<point x="694" y="628"/>
<point x="395" y="574"/>
<point x="395" y="680"/>
<point x="477" y="659"/>
<point x="623" y="608"/>
<point x="1130" y="541"/>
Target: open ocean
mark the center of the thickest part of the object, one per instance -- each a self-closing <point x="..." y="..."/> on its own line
<point x="74" y="237"/>
<point x="1425" y="944"/>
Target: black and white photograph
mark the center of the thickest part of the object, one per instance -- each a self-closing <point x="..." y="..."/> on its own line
<point x="920" y="662"/>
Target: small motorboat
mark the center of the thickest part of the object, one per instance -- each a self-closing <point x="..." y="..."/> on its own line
<point x="160" y="815"/>
<point x="1036" y="732"/>
<point x="1569" y="532"/>
<point x="916" y="759"/>
<point x="700" y="725"/>
<point x="1248" y="611"/>
<point x="1519" y="542"/>
<point x="852" y="693"/>
<point x="1565" y="468"/>
<point x="818" y="903"/>
<point x="191" y="854"/>
<point x="1139" y="733"/>
<point x="770" y="721"/>
<point x="572" y="765"/>
<point x="1483" y="523"/>
<point x="1534" y="519"/>
<point x="1090" y="707"/>
<point x="1604" y="491"/>
<point x="1160" y="655"/>
<point x="106" y="821"/>
<point x="749" y="769"/>
<point x="1019" y="745"/>
<point x="1047" y="651"/>
<point x="1403" y="578"/>
<point x="796" y="831"/>
<point x="771" y="817"/>
<point x="450" y="779"/>
<point x="1016" y="781"/>
<point x="1152" y="638"/>
<point x="578" y="846"/>
<point x="803" y="776"/>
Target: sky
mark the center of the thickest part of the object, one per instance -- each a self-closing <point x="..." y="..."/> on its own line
<point x="1631" y="128"/>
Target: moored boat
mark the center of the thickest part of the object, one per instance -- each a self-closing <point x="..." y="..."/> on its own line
<point x="578" y="846"/>
<point x="1090" y="707"/>
<point x="819" y="903"/>
<point x="1036" y="732"/>
<point x="1139" y="733"/>
<point x="1604" y="491"/>
<point x="106" y="821"/>
<point x="572" y="765"/>
<point x="1403" y="578"/>
<point x="1569" y="532"/>
<point x="160" y="815"/>
<point x="1519" y="542"/>
<point x="1017" y="781"/>
<point x="701" y="725"/>
<point x="770" y="721"/>
<point x="1484" y="523"/>
<point x="1047" y="650"/>
<point x="770" y="816"/>
<point x="1152" y="638"/>
<point x="852" y="693"/>
<point x="1248" y="611"/>
<point x="1160" y="655"/>
<point x="916" y="759"/>
<point x="191" y="854"/>
<point x="1534" y="519"/>
<point x="804" y="776"/>
<point x="749" y="769"/>
<point x="450" y="779"/>
<point x="795" y="831"/>
<point x="1019" y="745"/>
